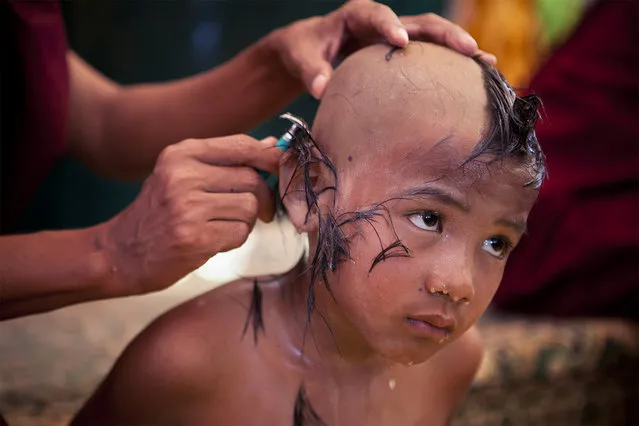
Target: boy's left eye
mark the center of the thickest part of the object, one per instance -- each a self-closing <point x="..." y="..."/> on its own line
<point x="427" y="220"/>
<point x="498" y="247"/>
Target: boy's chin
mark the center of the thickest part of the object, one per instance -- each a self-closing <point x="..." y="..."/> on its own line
<point x="409" y="356"/>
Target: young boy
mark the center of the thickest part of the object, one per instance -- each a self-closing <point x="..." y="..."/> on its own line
<point x="423" y="173"/>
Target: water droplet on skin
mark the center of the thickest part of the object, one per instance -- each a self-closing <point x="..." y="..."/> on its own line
<point x="443" y="339"/>
<point x="392" y="383"/>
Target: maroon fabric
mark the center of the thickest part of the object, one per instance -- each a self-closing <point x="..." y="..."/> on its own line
<point x="35" y="99"/>
<point x="581" y="256"/>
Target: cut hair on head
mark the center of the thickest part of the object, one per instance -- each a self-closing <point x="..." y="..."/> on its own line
<point x="511" y="128"/>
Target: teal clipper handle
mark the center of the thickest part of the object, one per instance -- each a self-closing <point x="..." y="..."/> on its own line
<point x="284" y="143"/>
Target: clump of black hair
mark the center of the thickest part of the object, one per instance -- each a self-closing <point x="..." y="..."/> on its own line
<point x="332" y="247"/>
<point x="254" y="315"/>
<point x="511" y="130"/>
<point x="369" y="216"/>
<point x="303" y="412"/>
<point x="394" y="249"/>
<point x="332" y="244"/>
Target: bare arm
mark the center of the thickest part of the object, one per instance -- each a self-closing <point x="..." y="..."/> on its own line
<point x="47" y="270"/>
<point x="120" y="130"/>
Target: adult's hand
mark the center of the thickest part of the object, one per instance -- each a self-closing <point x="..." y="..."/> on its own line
<point x="202" y="198"/>
<point x="309" y="47"/>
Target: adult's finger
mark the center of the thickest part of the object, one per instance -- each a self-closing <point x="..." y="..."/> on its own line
<point x="488" y="57"/>
<point x="237" y="180"/>
<point x="241" y="207"/>
<point x="267" y="141"/>
<point x="308" y="56"/>
<point x="225" y="235"/>
<point x="363" y="22"/>
<point x="366" y="19"/>
<point x="431" y="27"/>
<point x="235" y="150"/>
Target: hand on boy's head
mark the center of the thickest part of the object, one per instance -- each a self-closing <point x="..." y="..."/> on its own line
<point x="435" y="29"/>
<point x="308" y="47"/>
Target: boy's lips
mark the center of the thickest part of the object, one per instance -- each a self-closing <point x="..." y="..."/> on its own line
<point x="433" y="326"/>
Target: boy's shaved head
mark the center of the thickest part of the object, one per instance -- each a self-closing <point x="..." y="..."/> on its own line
<point x="424" y="107"/>
<point x="390" y="97"/>
<point x="415" y="183"/>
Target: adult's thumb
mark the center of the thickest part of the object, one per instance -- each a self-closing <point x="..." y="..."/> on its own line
<point x="318" y="84"/>
<point x="315" y="75"/>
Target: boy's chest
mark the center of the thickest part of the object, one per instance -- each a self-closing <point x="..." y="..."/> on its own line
<point x="272" y="398"/>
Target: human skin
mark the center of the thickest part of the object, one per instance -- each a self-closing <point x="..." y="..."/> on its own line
<point x="203" y="195"/>
<point x="361" y="362"/>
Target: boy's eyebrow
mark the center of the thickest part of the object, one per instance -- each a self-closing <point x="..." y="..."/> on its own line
<point x="444" y="196"/>
<point x="517" y="225"/>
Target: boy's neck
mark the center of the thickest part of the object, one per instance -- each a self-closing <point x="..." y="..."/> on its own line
<point x="329" y="339"/>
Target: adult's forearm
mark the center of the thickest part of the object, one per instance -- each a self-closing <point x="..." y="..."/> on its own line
<point x="232" y="98"/>
<point x="48" y="270"/>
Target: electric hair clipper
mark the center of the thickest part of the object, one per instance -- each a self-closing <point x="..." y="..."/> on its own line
<point x="298" y="127"/>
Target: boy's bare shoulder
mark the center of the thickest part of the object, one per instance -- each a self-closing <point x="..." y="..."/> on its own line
<point x="176" y="361"/>
<point x="194" y="333"/>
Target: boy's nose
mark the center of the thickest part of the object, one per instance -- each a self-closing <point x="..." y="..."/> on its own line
<point x="453" y="281"/>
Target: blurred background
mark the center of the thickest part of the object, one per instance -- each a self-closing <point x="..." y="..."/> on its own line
<point x="536" y="372"/>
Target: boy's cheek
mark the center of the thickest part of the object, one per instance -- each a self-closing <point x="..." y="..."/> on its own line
<point x="370" y="263"/>
<point x="390" y="285"/>
<point x="369" y="289"/>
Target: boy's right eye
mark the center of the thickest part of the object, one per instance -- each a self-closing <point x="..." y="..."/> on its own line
<point x="427" y="220"/>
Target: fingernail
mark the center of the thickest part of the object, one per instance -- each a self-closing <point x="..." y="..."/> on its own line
<point x="469" y="41"/>
<point x="318" y="85"/>
<point x="490" y="58"/>
<point x="402" y="34"/>
<point x="269" y="140"/>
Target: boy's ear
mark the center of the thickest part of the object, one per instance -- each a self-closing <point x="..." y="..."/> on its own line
<point x="293" y="187"/>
